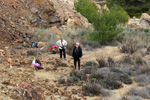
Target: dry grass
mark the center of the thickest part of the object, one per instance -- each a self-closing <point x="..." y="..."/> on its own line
<point x="45" y="35"/>
<point x="128" y="47"/>
<point x="138" y="36"/>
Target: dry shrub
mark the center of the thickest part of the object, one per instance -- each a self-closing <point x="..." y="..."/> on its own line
<point x="131" y="97"/>
<point x="140" y="38"/>
<point x="126" y="60"/>
<point x="125" y="79"/>
<point x="139" y="60"/>
<point x="70" y="47"/>
<point x="88" y="70"/>
<point x="110" y="78"/>
<point x="111" y="61"/>
<point x="61" y="81"/>
<point x="75" y="79"/>
<point x="128" y="47"/>
<point x="144" y="92"/>
<point x="143" y="79"/>
<point x="102" y="62"/>
<point x="90" y="45"/>
<point x="91" y="88"/>
<point x="128" y="69"/>
<point x="31" y="53"/>
<point x="77" y="74"/>
<point x="145" y="69"/>
<point x="148" y="49"/>
<point x="110" y="83"/>
<point x="44" y="35"/>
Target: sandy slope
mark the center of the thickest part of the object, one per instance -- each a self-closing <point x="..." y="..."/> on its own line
<point x="49" y="61"/>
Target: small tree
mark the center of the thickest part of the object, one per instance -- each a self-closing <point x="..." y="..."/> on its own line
<point x="107" y="25"/>
<point x="87" y="8"/>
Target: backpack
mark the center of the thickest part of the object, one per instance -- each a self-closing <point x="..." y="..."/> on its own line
<point x="34" y="44"/>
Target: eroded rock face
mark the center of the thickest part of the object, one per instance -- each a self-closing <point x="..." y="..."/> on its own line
<point x="18" y="18"/>
<point x="143" y="22"/>
<point x="145" y="16"/>
<point x="68" y="16"/>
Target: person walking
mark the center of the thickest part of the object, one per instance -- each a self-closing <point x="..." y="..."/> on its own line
<point x="77" y="54"/>
<point x="62" y="46"/>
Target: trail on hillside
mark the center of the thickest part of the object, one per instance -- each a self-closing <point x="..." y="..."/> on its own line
<point x="106" y="51"/>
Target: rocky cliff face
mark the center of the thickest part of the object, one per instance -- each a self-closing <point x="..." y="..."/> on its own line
<point x="19" y="17"/>
<point x="143" y="22"/>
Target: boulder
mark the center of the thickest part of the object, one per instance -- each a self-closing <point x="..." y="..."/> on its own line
<point x="54" y="19"/>
<point x="105" y="7"/>
<point x="144" y="23"/>
<point x="9" y="60"/>
<point x="145" y="16"/>
<point x="77" y="22"/>
<point x="1" y="50"/>
<point x="70" y="23"/>
<point x="74" y="22"/>
<point x="55" y="30"/>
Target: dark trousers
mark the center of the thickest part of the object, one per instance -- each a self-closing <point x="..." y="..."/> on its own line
<point x="75" y="63"/>
<point x="64" y="53"/>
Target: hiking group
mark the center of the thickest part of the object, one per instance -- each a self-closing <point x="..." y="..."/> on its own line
<point x="76" y="53"/>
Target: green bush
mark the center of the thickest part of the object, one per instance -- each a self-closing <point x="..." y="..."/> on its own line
<point x="110" y="83"/>
<point x="106" y="25"/>
<point x="126" y="79"/>
<point x="75" y="79"/>
<point x="87" y="8"/>
<point x="146" y="30"/>
<point x="79" y="74"/>
<point x="90" y="63"/>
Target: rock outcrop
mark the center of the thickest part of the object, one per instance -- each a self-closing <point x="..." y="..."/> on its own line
<point x="18" y="18"/>
<point x="143" y="22"/>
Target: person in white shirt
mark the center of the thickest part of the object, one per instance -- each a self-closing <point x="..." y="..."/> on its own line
<point x="62" y="46"/>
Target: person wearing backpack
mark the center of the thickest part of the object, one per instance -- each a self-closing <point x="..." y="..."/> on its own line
<point x="77" y="55"/>
<point x="62" y="47"/>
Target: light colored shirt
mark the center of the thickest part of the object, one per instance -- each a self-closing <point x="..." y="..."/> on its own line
<point x="61" y="44"/>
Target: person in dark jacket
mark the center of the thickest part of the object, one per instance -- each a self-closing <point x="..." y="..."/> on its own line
<point x="77" y="54"/>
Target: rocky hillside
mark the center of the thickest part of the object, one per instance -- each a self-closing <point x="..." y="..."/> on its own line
<point x="18" y="18"/>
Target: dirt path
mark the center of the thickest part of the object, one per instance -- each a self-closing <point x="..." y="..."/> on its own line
<point x="107" y="51"/>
